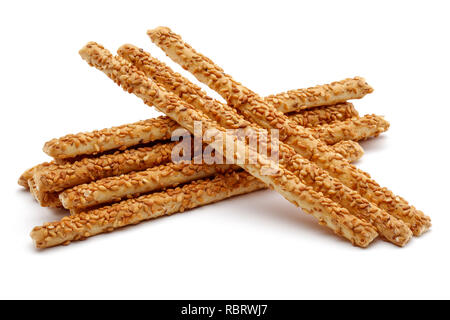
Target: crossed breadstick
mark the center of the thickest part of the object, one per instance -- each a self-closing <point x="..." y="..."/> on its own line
<point x="161" y="128"/>
<point x="309" y="173"/>
<point x="283" y="181"/>
<point x="267" y="116"/>
<point x="302" y="181"/>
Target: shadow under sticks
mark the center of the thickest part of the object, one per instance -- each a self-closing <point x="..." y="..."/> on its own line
<point x="264" y="205"/>
<point x="275" y="210"/>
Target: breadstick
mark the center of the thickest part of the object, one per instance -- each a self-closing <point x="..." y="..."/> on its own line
<point x="28" y="174"/>
<point x="60" y="177"/>
<point x="77" y="199"/>
<point x="359" y="129"/>
<point x="121" y="137"/>
<point x="191" y="93"/>
<point x="73" y="145"/>
<point x="328" y="213"/>
<point x="106" y="219"/>
<point x="113" y="189"/>
<point x="45" y="199"/>
<point x="324" y="115"/>
<point x="322" y="95"/>
<point x="350" y="150"/>
<point x="256" y="110"/>
<point x="218" y="111"/>
<point x="391" y="228"/>
<point x="93" y="168"/>
<point x="106" y="139"/>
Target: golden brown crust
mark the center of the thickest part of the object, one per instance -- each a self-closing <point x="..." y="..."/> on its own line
<point x="222" y="113"/>
<point x="45" y="199"/>
<point x="59" y="177"/>
<point x="321" y="95"/>
<point x="73" y="145"/>
<point x="283" y="181"/>
<point x="324" y="115"/>
<point x="350" y="150"/>
<point x="90" y="143"/>
<point x="28" y="174"/>
<point x="256" y="110"/>
<point x="133" y="211"/>
<point x="392" y="229"/>
<point x="120" y="137"/>
<point x="171" y="127"/>
<point x="114" y="189"/>
<point x="389" y="227"/>
<point x="175" y="82"/>
<point x="359" y="129"/>
<point x="24" y="177"/>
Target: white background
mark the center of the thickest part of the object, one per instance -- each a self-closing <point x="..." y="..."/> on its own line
<point x="258" y="245"/>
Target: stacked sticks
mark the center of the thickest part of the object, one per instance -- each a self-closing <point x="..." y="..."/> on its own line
<point x="123" y="175"/>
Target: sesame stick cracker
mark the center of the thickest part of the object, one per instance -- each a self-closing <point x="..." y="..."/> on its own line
<point x="351" y="149"/>
<point x="321" y="95"/>
<point x="114" y="189"/>
<point x="195" y="194"/>
<point x="256" y="110"/>
<point x="45" y="199"/>
<point x="28" y="174"/>
<point x="328" y="213"/>
<point x="225" y="115"/>
<point x="124" y="136"/>
<point x="106" y="141"/>
<point x="60" y="177"/>
<point x="359" y="129"/>
<point x="70" y="146"/>
<point x="323" y="115"/>
<point x="389" y="227"/>
<point x="222" y="113"/>
<point x="120" y="137"/>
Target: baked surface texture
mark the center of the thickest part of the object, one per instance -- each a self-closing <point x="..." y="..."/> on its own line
<point x="283" y="181"/>
<point x="255" y="109"/>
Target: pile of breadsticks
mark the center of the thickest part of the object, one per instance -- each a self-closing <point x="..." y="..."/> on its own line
<point x="123" y="175"/>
